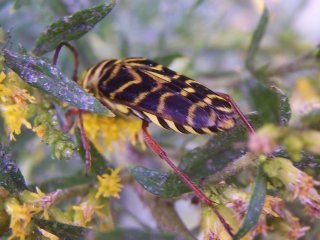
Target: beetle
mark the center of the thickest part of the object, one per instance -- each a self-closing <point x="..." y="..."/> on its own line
<point x="156" y="94"/>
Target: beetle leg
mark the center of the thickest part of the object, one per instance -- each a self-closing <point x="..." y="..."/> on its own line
<point x="156" y="148"/>
<point x="74" y="111"/>
<point x="243" y="118"/>
<point x="68" y="118"/>
<point x="85" y="144"/>
<point x="75" y="57"/>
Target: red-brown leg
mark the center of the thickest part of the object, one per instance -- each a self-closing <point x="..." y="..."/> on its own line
<point x="75" y="56"/>
<point x="239" y="112"/>
<point x="162" y="154"/>
<point x="74" y="111"/>
<point x="66" y="128"/>
<point x="68" y="120"/>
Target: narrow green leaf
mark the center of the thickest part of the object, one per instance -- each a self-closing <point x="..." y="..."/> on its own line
<point x="42" y="75"/>
<point x="134" y="234"/>
<point x="53" y="184"/>
<point x="255" y="206"/>
<point x="71" y="27"/>
<point x="63" y="231"/>
<point x="256" y="40"/>
<point x="271" y="103"/>
<point x="151" y="180"/>
<point x="283" y="106"/>
<point x="10" y="175"/>
<point x="199" y="163"/>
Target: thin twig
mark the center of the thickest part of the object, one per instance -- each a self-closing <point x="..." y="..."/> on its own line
<point x="61" y="195"/>
<point x="307" y="61"/>
<point x="236" y="166"/>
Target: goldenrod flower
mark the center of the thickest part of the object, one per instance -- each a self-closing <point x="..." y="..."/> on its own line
<point x="15" y="117"/>
<point x="104" y="215"/>
<point x="14" y="103"/>
<point x="21" y="215"/>
<point x="85" y="211"/>
<point x="295" y="230"/>
<point x="236" y="202"/>
<point x="103" y="131"/>
<point x="273" y="206"/>
<point x="40" y="200"/>
<point x="297" y="182"/>
<point x="92" y="209"/>
<point x="211" y="225"/>
<point x="109" y="184"/>
<point x="40" y="130"/>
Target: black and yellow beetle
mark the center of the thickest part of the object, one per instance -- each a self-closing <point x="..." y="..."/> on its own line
<point x="157" y="94"/>
<point x="154" y="93"/>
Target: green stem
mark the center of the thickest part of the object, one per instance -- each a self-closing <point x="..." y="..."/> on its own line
<point x="307" y="61"/>
<point x="69" y="193"/>
<point x="236" y="166"/>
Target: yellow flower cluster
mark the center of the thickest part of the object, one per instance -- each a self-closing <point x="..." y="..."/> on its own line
<point x="39" y="200"/>
<point x="96" y="202"/>
<point x="93" y="208"/>
<point x="234" y="206"/>
<point x="14" y="103"/>
<point x="102" y="131"/>
<point x="109" y="184"/>
<point x="22" y="211"/>
<point x="298" y="183"/>
<point x="85" y="211"/>
<point x="21" y="215"/>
